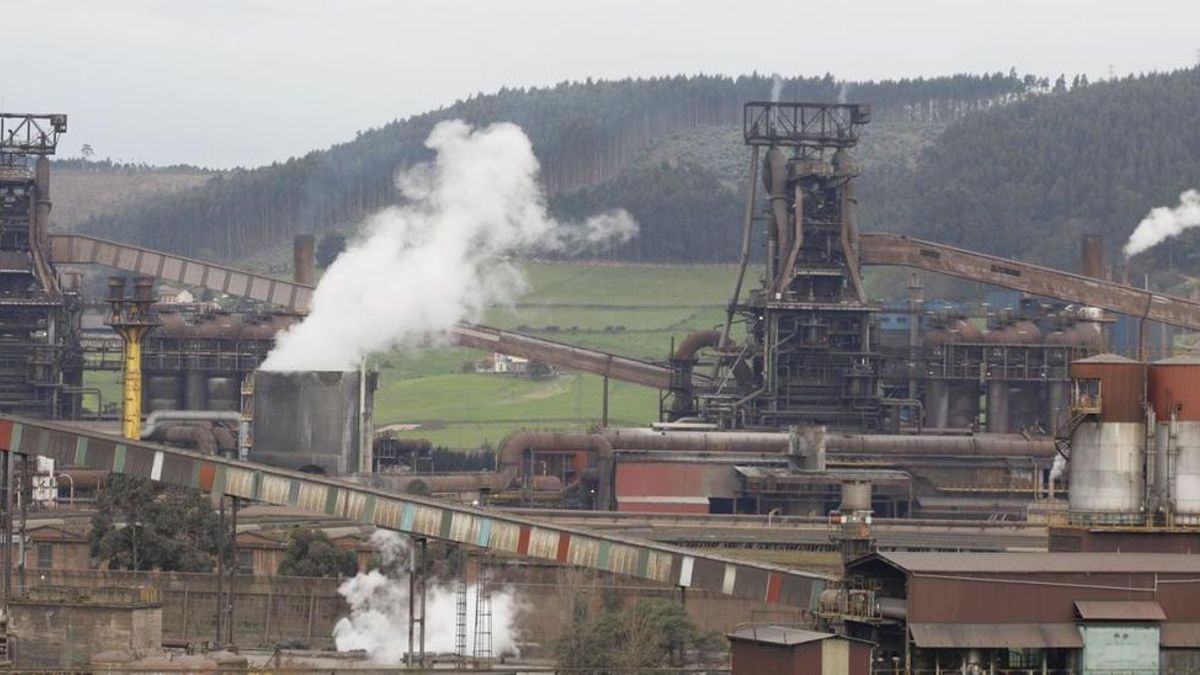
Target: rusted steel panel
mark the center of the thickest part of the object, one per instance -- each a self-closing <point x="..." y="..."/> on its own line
<point x="1122" y="385"/>
<point x="350" y="504"/>
<point x="426" y="520"/>
<point x="312" y="497"/>
<point x="543" y="543"/>
<point x="1174" y="385"/>
<point x="239" y="482"/>
<point x="658" y="567"/>
<point x="80" y="249"/>
<point x="388" y="513"/>
<point x="138" y="461"/>
<point x="461" y="527"/>
<point x="622" y="559"/>
<point x="569" y="356"/>
<point x="890" y="249"/>
<point x="1045" y="598"/>
<point x="751" y="583"/>
<point x="275" y="490"/>
<point x="504" y="536"/>
<point x="583" y="551"/>
<point x="179" y="471"/>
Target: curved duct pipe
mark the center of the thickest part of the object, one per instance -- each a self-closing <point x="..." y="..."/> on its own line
<point x="981" y="445"/>
<point x="158" y="418"/>
<point x="775" y="181"/>
<point x="226" y="440"/>
<point x="201" y="437"/>
<point x="682" y="362"/>
<point x="510" y="459"/>
<point x="694" y="342"/>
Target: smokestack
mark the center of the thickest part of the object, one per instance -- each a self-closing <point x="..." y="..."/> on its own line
<point x="304" y="259"/>
<point x="1092" y="256"/>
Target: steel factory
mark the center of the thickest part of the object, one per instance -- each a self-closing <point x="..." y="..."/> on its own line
<point x="1012" y="491"/>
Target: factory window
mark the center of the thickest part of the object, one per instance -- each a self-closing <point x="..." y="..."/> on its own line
<point x="45" y="555"/>
<point x="245" y="562"/>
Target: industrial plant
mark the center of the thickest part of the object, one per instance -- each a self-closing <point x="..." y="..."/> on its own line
<point x="1003" y="490"/>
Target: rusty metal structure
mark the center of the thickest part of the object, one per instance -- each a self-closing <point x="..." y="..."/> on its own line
<point x="40" y="364"/>
<point x="810" y="354"/>
<point x="491" y="530"/>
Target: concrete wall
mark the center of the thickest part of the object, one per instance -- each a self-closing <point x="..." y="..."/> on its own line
<point x="272" y="610"/>
<point x="51" y="635"/>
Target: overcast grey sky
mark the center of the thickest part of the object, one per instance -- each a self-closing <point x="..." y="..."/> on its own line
<point x="228" y="82"/>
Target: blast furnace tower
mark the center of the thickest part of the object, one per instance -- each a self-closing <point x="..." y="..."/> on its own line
<point x="41" y="367"/>
<point x="809" y="355"/>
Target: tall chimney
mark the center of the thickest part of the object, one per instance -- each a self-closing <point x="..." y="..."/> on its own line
<point x="304" y="259"/>
<point x="1092" y="260"/>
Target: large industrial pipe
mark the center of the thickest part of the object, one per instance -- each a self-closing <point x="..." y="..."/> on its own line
<point x="159" y="418"/>
<point x="775" y="181"/>
<point x="981" y="445"/>
<point x="511" y="458"/>
<point x="201" y="437"/>
<point x="304" y="259"/>
<point x="694" y="342"/>
<point x="1092" y="256"/>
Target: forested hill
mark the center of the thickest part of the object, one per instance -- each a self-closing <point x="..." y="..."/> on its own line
<point x="621" y="143"/>
<point x="1025" y="180"/>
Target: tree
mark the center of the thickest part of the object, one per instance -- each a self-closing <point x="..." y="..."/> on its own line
<point x="647" y="634"/>
<point x="330" y="247"/>
<point x="310" y="553"/>
<point x="142" y="526"/>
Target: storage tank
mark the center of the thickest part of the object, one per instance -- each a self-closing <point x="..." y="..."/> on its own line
<point x="311" y="420"/>
<point x="1173" y="391"/>
<point x="162" y="393"/>
<point x="951" y="404"/>
<point x="1107" y="481"/>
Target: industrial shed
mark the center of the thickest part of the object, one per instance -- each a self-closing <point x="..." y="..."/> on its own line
<point x="784" y="651"/>
<point x="1061" y="611"/>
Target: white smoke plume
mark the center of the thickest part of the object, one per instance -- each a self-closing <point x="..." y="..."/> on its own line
<point x="776" y="87"/>
<point x="378" y="621"/>
<point x="1059" y="468"/>
<point x="418" y="269"/>
<point x="843" y="92"/>
<point x="1164" y="222"/>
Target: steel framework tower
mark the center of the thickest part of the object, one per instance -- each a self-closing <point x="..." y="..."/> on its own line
<point x="41" y="365"/>
<point x="809" y="356"/>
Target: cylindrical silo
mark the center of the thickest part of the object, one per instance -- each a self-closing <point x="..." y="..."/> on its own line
<point x="1107" y="479"/>
<point x="1173" y="390"/>
<point x="937" y="404"/>
<point x="997" y="406"/>
<point x="964" y="405"/>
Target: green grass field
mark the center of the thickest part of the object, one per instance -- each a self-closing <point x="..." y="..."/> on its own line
<point x="630" y="310"/>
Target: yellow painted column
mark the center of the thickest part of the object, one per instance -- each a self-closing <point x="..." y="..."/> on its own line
<point x="131" y="408"/>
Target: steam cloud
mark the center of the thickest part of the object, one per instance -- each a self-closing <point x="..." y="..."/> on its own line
<point x="378" y="621"/>
<point x="1164" y="222"/>
<point x="776" y="87"/>
<point x="420" y="268"/>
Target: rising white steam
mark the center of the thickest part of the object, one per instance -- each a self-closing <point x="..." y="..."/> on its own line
<point x="378" y="621"/>
<point x="420" y="268"/>
<point x="1059" y="468"/>
<point x="776" y="87"/>
<point x="1165" y="222"/>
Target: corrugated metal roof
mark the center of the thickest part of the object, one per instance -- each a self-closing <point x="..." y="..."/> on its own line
<point x="1179" y="635"/>
<point x="1106" y="358"/>
<point x="1034" y="563"/>
<point x="777" y="635"/>
<point x="1180" y="360"/>
<point x="1115" y="610"/>
<point x="996" y="635"/>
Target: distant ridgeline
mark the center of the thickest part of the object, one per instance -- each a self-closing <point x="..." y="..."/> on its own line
<point x="1003" y="163"/>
